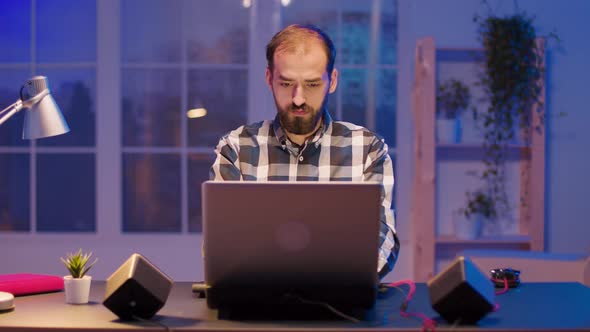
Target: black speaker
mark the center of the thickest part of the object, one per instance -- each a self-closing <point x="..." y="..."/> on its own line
<point x="461" y="293"/>
<point x="137" y="289"/>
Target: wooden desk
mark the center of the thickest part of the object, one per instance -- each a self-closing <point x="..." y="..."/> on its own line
<point x="531" y="307"/>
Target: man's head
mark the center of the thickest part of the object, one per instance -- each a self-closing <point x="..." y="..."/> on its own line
<point x="301" y="74"/>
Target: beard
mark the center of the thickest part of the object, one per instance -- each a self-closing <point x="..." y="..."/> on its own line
<point x="300" y="125"/>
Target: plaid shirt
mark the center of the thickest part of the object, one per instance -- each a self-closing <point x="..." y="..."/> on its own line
<point x="338" y="151"/>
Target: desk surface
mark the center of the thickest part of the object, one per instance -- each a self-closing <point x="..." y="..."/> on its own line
<point x="532" y="307"/>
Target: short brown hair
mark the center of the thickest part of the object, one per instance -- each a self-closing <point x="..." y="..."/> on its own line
<point x="295" y="34"/>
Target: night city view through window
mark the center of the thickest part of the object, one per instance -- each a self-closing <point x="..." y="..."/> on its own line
<point x="172" y="55"/>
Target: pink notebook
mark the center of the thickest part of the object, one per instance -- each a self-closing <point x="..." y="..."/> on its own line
<point x="27" y="283"/>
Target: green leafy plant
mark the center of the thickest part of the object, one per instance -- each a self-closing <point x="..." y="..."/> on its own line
<point x="511" y="81"/>
<point x="479" y="202"/>
<point x="452" y="96"/>
<point x="78" y="263"/>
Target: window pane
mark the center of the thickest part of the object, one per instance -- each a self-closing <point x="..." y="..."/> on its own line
<point x="74" y="90"/>
<point x="355" y="37"/>
<point x="65" y="193"/>
<point x="151" y="107"/>
<point x="151" y="30"/>
<point x="217" y="32"/>
<point x="198" y="172"/>
<point x="15" y="31"/>
<point x="224" y="93"/>
<point x="353" y="83"/>
<point x="388" y="33"/>
<point x="151" y="193"/>
<point x="386" y="105"/>
<point x="11" y="80"/>
<point x="66" y="30"/>
<point x="322" y="15"/>
<point x="14" y="192"/>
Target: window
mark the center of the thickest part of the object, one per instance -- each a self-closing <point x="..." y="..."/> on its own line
<point x="128" y="176"/>
<point x="186" y="61"/>
<point x="197" y="55"/>
<point x="48" y="185"/>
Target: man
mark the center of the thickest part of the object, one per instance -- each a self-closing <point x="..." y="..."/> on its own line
<point x="303" y="143"/>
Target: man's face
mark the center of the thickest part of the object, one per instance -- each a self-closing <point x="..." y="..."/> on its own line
<point x="300" y="85"/>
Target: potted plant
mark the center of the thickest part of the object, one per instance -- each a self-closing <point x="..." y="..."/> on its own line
<point x="511" y="82"/>
<point x="452" y="98"/>
<point x="480" y="208"/>
<point x="77" y="284"/>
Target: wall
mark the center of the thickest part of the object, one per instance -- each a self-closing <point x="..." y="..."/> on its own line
<point x="451" y="24"/>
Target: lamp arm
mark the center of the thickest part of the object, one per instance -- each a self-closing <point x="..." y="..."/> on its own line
<point x="11" y="110"/>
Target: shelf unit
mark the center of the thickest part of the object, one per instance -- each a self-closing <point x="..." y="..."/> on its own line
<point x="427" y="153"/>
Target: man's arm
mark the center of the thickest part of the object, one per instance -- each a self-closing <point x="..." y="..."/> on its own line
<point x="226" y="163"/>
<point x="379" y="168"/>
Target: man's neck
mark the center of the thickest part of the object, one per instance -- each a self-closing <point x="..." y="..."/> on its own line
<point x="297" y="139"/>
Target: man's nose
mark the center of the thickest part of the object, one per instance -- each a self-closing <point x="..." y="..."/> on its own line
<point x="298" y="96"/>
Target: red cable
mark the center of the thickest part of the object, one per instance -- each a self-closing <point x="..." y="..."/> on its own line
<point x="405" y="282"/>
<point x="500" y="292"/>
<point x="505" y="289"/>
<point x="428" y="324"/>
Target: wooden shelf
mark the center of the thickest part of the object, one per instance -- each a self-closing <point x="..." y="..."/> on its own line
<point x="476" y="146"/>
<point x="429" y="247"/>
<point x="490" y="240"/>
<point x="475" y="151"/>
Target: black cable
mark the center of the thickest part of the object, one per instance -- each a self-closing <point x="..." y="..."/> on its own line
<point x="327" y="306"/>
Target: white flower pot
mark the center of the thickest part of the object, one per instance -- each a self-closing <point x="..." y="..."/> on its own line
<point x="77" y="289"/>
<point x="468" y="228"/>
<point x="448" y="130"/>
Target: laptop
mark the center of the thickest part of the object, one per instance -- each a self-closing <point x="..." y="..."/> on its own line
<point x="268" y="242"/>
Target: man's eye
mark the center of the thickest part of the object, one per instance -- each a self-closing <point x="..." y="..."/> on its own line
<point x="285" y="84"/>
<point x="313" y="85"/>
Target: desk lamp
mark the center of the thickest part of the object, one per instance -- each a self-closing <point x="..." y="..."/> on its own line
<point x="44" y="118"/>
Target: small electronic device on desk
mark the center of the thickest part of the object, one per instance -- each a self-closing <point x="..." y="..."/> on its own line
<point x="6" y="301"/>
<point x="502" y="276"/>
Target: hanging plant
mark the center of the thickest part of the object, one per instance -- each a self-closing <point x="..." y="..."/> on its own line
<point x="511" y="82"/>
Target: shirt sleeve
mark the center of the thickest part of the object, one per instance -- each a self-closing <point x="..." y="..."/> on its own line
<point x="379" y="168"/>
<point x="226" y="165"/>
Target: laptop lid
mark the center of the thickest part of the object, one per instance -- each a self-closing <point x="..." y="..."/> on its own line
<point x="290" y="234"/>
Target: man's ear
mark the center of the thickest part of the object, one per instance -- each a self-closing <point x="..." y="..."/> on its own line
<point x="333" y="80"/>
<point x="268" y="78"/>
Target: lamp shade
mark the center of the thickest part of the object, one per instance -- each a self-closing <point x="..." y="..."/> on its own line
<point x="43" y="117"/>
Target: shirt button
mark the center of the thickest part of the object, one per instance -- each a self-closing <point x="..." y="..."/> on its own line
<point x="300" y="158"/>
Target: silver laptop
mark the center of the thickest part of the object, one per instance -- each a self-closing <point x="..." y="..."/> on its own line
<point x="318" y="240"/>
